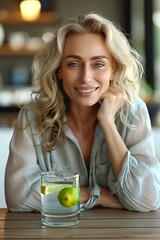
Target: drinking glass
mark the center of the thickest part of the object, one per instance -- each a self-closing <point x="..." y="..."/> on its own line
<point x="60" y="198"/>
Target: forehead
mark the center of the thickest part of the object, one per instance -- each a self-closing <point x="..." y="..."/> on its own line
<point x="85" y="43"/>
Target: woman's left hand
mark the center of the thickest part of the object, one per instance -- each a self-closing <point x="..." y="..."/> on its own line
<point x="111" y="101"/>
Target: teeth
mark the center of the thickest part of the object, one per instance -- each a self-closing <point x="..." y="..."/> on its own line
<point x="86" y="90"/>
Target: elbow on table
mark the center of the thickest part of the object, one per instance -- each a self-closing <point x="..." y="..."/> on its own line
<point x="152" y="206"/>
<point x="15" y="204"/>
<point x="21" y="202"/>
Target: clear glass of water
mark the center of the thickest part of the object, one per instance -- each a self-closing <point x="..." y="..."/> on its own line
<point x="60" y="198"/>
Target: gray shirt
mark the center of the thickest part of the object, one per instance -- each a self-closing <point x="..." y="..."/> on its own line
<point x="138" y="184"/>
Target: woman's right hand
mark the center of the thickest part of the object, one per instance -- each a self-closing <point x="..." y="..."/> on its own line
<point x="84" y="194"/>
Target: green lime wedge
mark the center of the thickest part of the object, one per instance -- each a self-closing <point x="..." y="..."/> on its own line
<point x="49" y="188"/>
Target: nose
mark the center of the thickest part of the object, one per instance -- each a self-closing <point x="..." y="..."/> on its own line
<point x="86" y="76"/>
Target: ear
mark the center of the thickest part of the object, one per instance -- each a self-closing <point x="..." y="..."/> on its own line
<point x="59" y="75"/>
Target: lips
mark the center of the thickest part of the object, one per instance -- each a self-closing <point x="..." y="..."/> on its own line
<point x="86" y="90"/>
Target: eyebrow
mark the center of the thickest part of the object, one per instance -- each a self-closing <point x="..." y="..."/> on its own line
<point x="92" y="58"/>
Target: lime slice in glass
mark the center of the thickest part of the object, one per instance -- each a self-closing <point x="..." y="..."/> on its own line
<point x="49" y="188"/>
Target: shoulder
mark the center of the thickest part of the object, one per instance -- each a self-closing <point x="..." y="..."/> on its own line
<point x="25" y="116"/>
<point x="140" y="107"/>
<point x="141" y="113"/>
<point x="137" y="114"/>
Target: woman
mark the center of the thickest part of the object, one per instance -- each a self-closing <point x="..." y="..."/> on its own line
<point x="86" y="116"/>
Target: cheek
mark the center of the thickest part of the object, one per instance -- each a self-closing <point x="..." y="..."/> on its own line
<point x="105" y="78"/>
<point x="105" y="86"/>
<point x="67" y="83"/>
<point x="68" y="76"/>
<point x="105" y="81"/>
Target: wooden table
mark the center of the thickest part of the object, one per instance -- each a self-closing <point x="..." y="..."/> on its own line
<point x="99" y="223"/>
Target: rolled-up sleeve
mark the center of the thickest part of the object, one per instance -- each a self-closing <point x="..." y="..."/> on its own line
<point x="138" y="185"/>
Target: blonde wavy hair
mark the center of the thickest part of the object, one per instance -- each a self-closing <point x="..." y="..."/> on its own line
<point x="49" y="102"/>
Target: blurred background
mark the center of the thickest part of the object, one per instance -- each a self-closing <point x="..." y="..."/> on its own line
<point x="25" y="27"/>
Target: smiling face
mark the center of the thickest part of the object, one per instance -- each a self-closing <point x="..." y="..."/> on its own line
<point x="86" y="68"/>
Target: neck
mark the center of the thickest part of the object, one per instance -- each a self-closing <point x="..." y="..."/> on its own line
<point x="82" y="119"/>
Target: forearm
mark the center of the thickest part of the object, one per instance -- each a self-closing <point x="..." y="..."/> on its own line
<point x="111" y="102"/>
<point x="108" y="200"/>
<point x="116" y="147"/>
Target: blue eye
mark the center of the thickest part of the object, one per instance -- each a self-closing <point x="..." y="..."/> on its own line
<point x="99" y="65"/>
<point x="73" y="65"/>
